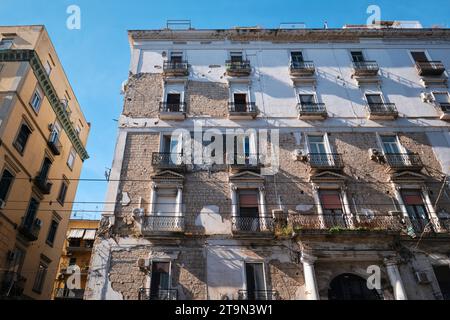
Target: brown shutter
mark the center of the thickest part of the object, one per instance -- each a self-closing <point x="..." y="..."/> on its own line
<point x="248" y="200"/>
<point x="331" y="201"/>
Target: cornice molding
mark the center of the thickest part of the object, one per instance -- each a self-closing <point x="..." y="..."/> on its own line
<point x="44" y="81"/>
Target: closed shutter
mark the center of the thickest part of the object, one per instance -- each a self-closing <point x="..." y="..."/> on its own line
<point x="411" y="198"/>
<point x="330" y="200"/>
<point x="248" y="200"/>
<point x="166" y="203"/>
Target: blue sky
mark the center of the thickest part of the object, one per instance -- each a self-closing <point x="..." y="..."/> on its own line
<point x="96" y="57"/>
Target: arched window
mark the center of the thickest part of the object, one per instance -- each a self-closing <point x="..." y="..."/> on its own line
<point x="351" y="287"/>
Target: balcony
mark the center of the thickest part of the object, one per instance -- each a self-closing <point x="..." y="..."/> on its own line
<point x="245" y="162"/>
<point x="13" y="285"/>
<point x="365" y="68"/>
<point x="311" y="111"/>
<point x="54" y="144"/>
<point x="430" y="68"/>
<point x="403" y="161"/>
<point x="43" y="184"/>
<point x="325" y="161"/>
<point x="302" y="69"/>
<point x="161" y="294"/>
<point x="252" y="225"/>
<point x="168" y="161"/>
<point x="154" y="225"/>
<point x="382" y="111"/>
<point x="242" y="111"/>
<point x="238" y="68"/>
<point x="172" y="111"/>
<point x="30" y="229"/>
<point x="445" y="111"/>
<point x="83" y="247"/>
<point x="314" y="222"/>
<point x="427" y="226"/>
<point x="258" y="295"/>
<point x="69" y="294"/>
<point x="176" y="68"/>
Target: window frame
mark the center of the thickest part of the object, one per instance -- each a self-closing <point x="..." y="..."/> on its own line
<point x="52" y="241"/>
<point x="41" y="277"/>
<point x="37" y="92"/>
<point x="60" y="200"/>
<point x="20" y="149"/>
<point x="72" y="154"/>
<point x="10" y="184"/>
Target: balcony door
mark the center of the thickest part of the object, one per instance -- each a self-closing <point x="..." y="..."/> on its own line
<point x="160" y="281"/>
<point x="176" y="58"/>
<point x="173" y="102"/>
<point x="240" y="102"/>
<point x="332" y="208"/>
<point x="45" y="169"/>
<point x="395" y="155"/>
<point x="236" y="58"/>
<point x="31" y="213"/>
<point x="166" y="202"/>
<point x="357" y="56"/>
<point x="416" y="209"/>
<point x="248" y="219"/>
<point x="255" y="281"/>
<point x="297" y="59"/>
<point x="56" y="130"/>
<point x="419" y="56"/>
<point x="319" y="151"/>
<point x="374" y="99"/>
<point x="172" y="149"/>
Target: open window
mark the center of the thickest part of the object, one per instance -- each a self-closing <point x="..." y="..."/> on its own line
<point x="332" y="208"/>
<point x="255" y="281"/>
<point x="416" y="209"/>
<point x="357" y="56"/>
<point x="160" y="281"/>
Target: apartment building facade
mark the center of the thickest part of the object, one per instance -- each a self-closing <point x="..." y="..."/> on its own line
<point x="335" y="167"/>
<point x="74" y="263"/>
<point x="43" y="136"/>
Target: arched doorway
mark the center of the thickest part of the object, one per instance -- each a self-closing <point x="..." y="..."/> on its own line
<point x="351" y="287"/>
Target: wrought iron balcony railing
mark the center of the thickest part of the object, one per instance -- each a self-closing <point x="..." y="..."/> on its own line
<point x="312" y="109"/>
<point x="430" y="68"/>
<point x="161" y="294"/>
<point x="365" y="68"/>
<point x="382" y="109"/>
<point x="176" y="67"/>
<point x="252" y="224"/>
<point x="238" y="68"/>
<point x="167" y="160"/>
<point x="302" y="68"/>
<point x="404" y="161"/>
<point x="13" y="284"/>
<point x="343" y="221"/>
<point x="162" y="224"/>
<point x="54" y="144"/>
<point x="30" y="228"/>
<point x="69" y="294"/>
<point x="258" y="295"/>
<point x="235" y="107"/>
<point x="43" y="184"/>
<point x="326" y="161"/>
<point x="427" y="225"/>
<point x="172" y="107"/>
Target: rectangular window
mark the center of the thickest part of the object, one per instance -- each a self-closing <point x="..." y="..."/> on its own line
<point x="36" y="100"/>
<point x="31" y="213"/>
<point x="48" y="68"/>
<point x="5" y="184"/>
<point x="297" y="57"/>
<point x="374" y="98"/>
<point x="390" y="144"/>
<point x="357" y="56"/>
<point x="22" y="138"/>
<point x="52" y="232"/>
<point x="416" y="209"/>
<point x="45" y="169"/>
<point x="71" y="158"/>
<point x="18" y="258"/>
<point x="419" y="56"/>
<point x="307" y="99"/>
<point x="441" y="97"/>
<point x="160" y="281"/>
<point x="40" y="278"/>
<point x="255" y="281"/>
<point x="6" y="43"/>
<point x="240" y="102"/>
<point x="248" y="203"/>
<point x="236" y="57"/>
<point x="317" y="145"/>
<point x="173" y="102"/>
<point x="176" y="57"/>
<point x="166" y="202"/>
<point x="62" y="193"/>
<point x="332" y="208"/>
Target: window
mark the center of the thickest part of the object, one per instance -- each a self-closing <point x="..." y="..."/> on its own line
<point x="240" y="102"/>
<point x="416" y="208"/>
<point x="40" y="277"/>
<point x="357" y="56"/>
<point x="390" y="144"/>
<point x="31" y="213"/>
<point x="442" y="274"/>
<point x="419" y="56"/>
<point x="48" y="68"/>
<point x="166" y="202"/>
<point x="255" y="281"/>
<point x="52" y="232"/>
<point x="307" y="99"/>
<point x="36" y="100"/>
<point x="297" y="56"/>
<point x="173" y="102"/>
<point x="441" y="97"/>
<point x="374" y="98"/>
<point x="71" y="158"/>
<point x="160" y="281"/>
<point x="45" y="169"/>
<point x="22" y="138"/>
<point x="5" y="184"/>
<point x="248" y="203"/>
<point x="16" y="264"/>
<point x="236" y="57"/>
<point x="62" y="192"/>
<point x="78" y="130"/>
<point x="176" y="57"/>
<point x="332" y="208"/>
<point x="6" y="43"/>
<point x="317" y="144"/>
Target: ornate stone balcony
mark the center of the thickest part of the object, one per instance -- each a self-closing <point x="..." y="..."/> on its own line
<point x="326" y="161"/>
<point x="311" y="111"/>
<point x="242" y="111"/>
<point x="179" y="68"/>
<point x="302" y="69"/>
<point x="403" y="161"/>
<point x="154" y="225"/>
<point x="365" y="68"/>
<point x="382" y="111"/>
<point x="172" y="111"/>
<point x="168" y="161"/>
<point x="238" y="68"/>
<point x="430" y="68"/>
<point x="252" y="225"/>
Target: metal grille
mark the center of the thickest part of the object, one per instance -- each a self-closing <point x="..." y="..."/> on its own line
<point x="252" y="224"/>
<point x="326" y="160"/>
<point x="258" y="295"/>
<point x="161" y="294"/>
<point x="163" y="224"/>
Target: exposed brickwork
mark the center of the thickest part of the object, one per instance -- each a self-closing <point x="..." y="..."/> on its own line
<point x="143" y="95"/>
<point x="207" y="99"/>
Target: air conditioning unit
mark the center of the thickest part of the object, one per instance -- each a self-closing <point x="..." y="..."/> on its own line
<point x="375" y="154"/>
<point x="2" y="204"/>
<point x="422" y="277"/>
<point x="426" y="97"/>
<point x="139" y="212"/>
<point x="299" y="155"/>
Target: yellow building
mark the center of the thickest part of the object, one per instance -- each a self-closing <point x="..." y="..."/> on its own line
<point x="43" y="135"/>
<point x="75" y="259"/>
